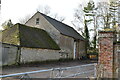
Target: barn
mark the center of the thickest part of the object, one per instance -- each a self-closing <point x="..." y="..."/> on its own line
<point x="68" y="39"/>
<point x="21" y="44"/>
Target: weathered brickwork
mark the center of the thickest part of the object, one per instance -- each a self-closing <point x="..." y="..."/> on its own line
<point x="106" y="53"/>
<point x="119" y="64"/>
<point x="116" y="60"/>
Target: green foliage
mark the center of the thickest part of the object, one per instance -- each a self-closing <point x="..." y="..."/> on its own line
<point x="86" y="35"/>
<point x="10" y="36"/>
<point x="94" y="41"/>
<point x="88" y="10"/>
<point x="90" y="7"/>
<point x="92" y="51"/>
<point x="113" y="11"/>
<point x="7" y="24"/>
<point x="108" y="14"/>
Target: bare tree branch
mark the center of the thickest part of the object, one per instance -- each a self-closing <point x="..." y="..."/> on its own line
<point x="44" y="9"/>
<point x="47" y="11"/>
<point x="25" y="19"/>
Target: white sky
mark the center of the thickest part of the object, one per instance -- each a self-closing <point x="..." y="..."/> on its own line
<point x="16" y="9"/>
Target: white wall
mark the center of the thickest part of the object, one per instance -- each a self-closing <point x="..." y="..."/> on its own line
<point x="34" y="54"/>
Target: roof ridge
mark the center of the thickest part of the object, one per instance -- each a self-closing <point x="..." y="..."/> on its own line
<point x="62" y="24"/>
<point x="57" y="20"/>
<point x="32" y="16"/>
<point x="63" y="28"/>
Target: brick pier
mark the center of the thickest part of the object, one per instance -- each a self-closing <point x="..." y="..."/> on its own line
<point x="106" y="53"/>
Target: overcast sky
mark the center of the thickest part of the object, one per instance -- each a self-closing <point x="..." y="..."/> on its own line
<point x="16" y="9"/>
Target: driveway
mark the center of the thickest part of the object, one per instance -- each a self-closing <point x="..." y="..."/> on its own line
<point x="43" y="66"/>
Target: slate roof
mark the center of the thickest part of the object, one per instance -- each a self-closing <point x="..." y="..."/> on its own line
<point x="30" y="37"/>
<point x="63" y="28"/>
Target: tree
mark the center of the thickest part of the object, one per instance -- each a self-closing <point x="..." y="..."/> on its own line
<point x="57" y="17"/>
<point x="47" y="11"/>
<point x="104" y="14"/>
<point x="89" y="18"/>
<point x="84" y="16"/>
<point x="108" y="14"/>
<point x="86" y="34"/>
<point x="44" y="9"/>
<point x="78" y="21"/>
<point x="113" y="11"/>
<point x="25" y="19"/>
<point x="7" y="24"/>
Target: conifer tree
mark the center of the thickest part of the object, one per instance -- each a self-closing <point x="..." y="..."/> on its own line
<point x="88" y="10"/>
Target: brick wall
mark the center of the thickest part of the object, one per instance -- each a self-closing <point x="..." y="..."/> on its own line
<point x="117" y="60"/>
<point x="106" y="53"/>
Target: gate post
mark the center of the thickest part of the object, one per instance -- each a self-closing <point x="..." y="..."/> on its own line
<point x="106" y="53"/>
<point x="117" y="60"/>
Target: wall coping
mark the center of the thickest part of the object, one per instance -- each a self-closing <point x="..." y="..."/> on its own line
<point x="102" y="31"/>
<point x="107" y="34"/>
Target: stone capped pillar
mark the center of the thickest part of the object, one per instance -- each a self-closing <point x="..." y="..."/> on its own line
<point x="106" y="52"/>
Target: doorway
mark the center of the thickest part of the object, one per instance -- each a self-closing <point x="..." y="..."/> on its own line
<point x="74" y="56"/>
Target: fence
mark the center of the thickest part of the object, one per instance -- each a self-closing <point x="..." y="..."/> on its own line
<point x="65" y="72"/>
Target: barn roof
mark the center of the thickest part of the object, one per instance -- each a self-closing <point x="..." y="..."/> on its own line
<point x="26" y="36"/>
<point x="63" y="28"/>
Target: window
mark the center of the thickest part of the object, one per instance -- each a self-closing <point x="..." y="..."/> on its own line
<point x="37" y="21"/>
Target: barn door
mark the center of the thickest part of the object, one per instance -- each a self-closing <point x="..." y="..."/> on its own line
<point x="74" y="56"/>
<point x="5" y="55"/>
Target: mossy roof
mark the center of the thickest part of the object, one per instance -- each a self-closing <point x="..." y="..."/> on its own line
<point x="25" y="36"/>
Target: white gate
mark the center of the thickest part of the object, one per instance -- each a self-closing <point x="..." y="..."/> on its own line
<point x="65" y="72"/>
